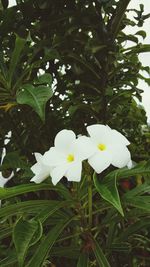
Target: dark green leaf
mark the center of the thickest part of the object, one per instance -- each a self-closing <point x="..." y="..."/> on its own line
<point x="23" y="233"/>
<point x="83" y="260"/>
<point x="36" y="97"/>
<point x="19" y="45"/>
<point x="134" y="228"/>
<point x="108" y="190"/>
<point x="99" y="255"/>
<point x="46" y="244"/>
<point x="44" y="79"/>
<point x="22" y="189"/>
<point x="141" y="33"/>
<point x="13" y="160"/>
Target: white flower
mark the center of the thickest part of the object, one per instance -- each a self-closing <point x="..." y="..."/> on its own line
<point x="67" y="155"/>
<point x="40" y="169"/>
<point x="110" y="148"/>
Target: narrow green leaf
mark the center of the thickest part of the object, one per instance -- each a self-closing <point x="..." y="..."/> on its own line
<point x="36" y="97"/>
<point x="19" y="45"/>
<point x="134" y="228"/>
<point x="10" y="260"/>
<point x="46" y="244"/>
<point x="138" y="49"/>
<point x="3" y="68"/>
<point x="142" y="168"/>
<point x="31" y="206"/>
<point x="22" y="235"/>
<point x="5" y="3"/>
<point x="22" y="189"/>
<point x="48" y="211"/>
<point x="99" y="255"/>
<point x="5" y="232"/>
<point x="71" y="252"/>
<point x="108" y="190"/>
<point x="83" y="260"/>
<point x="140" y="202"/>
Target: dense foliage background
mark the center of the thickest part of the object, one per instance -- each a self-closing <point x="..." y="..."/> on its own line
<point x="66" y="64"/>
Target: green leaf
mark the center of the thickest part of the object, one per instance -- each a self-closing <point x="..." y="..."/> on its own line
<point x="31" y="206"/>
<point x="22" y="189"/>
<point x="22" y="235"/>
<point x="13" y="160"/>
<point x="141" y="33"/>
<point x="46" y="244"/>
<point x="99" y="255"/>
<point x="10" y="260"/>
<point x="71" y="252"/>
<point x="36" y="97"/>
<point x="5" y="3"/>
<point x="140" y="202"/>
<point x="3" y="69"/>
<point x="83" y="260"/>
<point x="140" y="48"/>
<point x="48" y="211"/>
<point x="141" y="168"/>
<point x="108" y="190"/>
<point x="46" y="78"/>
<point x="134" y="228"/>
<point x="19" y="45"/>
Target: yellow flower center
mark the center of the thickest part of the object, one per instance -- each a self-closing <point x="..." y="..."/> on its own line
<point x="101" y="147"/>
<point x="70" y="158"/>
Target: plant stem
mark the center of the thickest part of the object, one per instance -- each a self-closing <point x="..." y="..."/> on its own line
<point x="90" y="200"/>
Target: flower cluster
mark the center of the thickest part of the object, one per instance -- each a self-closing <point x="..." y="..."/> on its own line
<point x="103" y="146"/>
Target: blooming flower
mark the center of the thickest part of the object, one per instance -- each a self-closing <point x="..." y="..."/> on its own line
<point x="110" y="148"/>
<point x="40" y="169"/>
<point x="67" y="155"/>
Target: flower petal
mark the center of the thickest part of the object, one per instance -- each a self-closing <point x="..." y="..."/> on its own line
<point x="100" y="161"/>
<point x="130" y="164"/>
<point x="74" y="172"/>
<point x="38" y="157"/>
<point x="53" y="157"/>
<point x="36" y="168"/>
<point x="58" y="172"/>
<point x="100" y="133"/>
<point x="40" y="177"/>
<point x="83" y="148"/>
<point x="64" y="139"/>
<point x="120" y="156"/>
<point x="120" y="137"/>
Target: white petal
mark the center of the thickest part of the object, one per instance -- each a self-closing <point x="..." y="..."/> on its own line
<point x="36" y="168"/>
<point x="120" y="137"/>
<point x="53" y="157"/>
<point x="130" y="164"/>
<point x="83" y="148"/>
<point x="64" y="139"/>
<point x="38" y="156"/>
<point x="100" y="133"/>
<point x="58" y="172"/>
<point x="120" y="156"/>
<point x="38" y="178"/>
<point x="100" y="161"/>
<point x="74" y="172"/>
